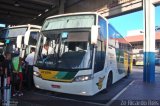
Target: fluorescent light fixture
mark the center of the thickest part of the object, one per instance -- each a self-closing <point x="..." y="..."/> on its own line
<point x="39" y="15"/>
<point x="46" y="10"/>
<point x="16" y="4"/>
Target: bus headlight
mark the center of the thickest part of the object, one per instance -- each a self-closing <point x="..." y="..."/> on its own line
<point x="83" y="78"/>
<point x="37" y="74"/>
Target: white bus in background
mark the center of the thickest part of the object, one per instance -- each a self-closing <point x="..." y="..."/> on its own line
<point x="89" y="54"/>
<point x="138" y="59"/>
<point x="22" y="37"/>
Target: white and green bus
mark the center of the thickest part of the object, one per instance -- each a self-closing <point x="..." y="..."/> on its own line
<point x="88" y="54"/>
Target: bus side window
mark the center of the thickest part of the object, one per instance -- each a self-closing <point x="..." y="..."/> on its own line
<point x="33" y="38"/>
<point x="99" y="57"/>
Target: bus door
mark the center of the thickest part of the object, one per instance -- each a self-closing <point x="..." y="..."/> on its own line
<point x="99" y="66"/>
<point x="31" y="40"/>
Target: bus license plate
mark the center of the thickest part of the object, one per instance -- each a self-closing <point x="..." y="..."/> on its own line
<point x="56" y="86"/>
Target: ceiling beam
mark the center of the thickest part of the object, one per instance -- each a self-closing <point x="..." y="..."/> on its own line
<point x="25" y="5"/>
<point x="16" y="14"/>
<point x="43" y="2"/>
<point x="53" y="11"/>
<point x="8" y="22"/>
<point x="10" y="19"/>
<point x="40" y="20"/>
<point x="13" y="17"/>
<point x="6" y="10"/>
<point x="72" y="2"/>
<point x="18" y="9"/>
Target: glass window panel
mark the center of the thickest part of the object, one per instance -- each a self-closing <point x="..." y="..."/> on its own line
<point x="76" y="21"/>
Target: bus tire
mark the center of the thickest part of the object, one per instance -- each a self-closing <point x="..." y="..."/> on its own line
<point x="108" y="82"/>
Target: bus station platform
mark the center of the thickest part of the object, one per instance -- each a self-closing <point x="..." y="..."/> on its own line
<point x="130" y="91"/>
<point x="139" y="93"/>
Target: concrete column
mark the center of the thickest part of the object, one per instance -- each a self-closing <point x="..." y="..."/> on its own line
<point x="61" y="6"/>
<point x="149" y="42"/>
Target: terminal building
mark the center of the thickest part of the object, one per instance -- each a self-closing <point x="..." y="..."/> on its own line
<point x="135" y="38"/>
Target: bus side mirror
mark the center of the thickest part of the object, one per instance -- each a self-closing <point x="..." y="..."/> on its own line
<point x="26" y="37"/>
<point x="19" y="41"/>
<point x="94" y="34"/>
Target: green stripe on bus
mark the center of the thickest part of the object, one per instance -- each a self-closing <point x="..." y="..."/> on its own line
<point x="70" y="75"/>
<point x="60" y="75"/>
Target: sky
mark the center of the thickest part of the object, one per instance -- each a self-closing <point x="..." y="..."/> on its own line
<point x="132" y="21"/>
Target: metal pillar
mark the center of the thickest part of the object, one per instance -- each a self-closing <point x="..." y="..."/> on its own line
<point x="61" y="6"/>
<point x="149" y="42"/>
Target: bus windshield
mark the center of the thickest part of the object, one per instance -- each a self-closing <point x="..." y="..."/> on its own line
<point x="12" y="37"/>
<point x="65" y="50"/>
<point x="73" y="21"/>
<point x="14" y="32"/>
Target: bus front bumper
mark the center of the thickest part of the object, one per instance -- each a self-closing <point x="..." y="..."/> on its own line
<point x="78" y="88"/>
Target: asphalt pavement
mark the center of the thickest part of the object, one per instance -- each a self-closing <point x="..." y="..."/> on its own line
<point x="125" y="92"/>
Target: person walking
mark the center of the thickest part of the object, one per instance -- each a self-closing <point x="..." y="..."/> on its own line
<point x="30" y="62"/>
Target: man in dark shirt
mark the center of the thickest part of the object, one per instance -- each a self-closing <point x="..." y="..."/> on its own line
<point x="1" y="66"/>
<point x="1" y="74"/>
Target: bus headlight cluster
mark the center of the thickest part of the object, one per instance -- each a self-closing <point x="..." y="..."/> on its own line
<point x="83" y="78"/>
<point x="37" y="74"/>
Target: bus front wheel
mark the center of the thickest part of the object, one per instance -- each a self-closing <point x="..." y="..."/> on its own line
<point x="109" y="80"/>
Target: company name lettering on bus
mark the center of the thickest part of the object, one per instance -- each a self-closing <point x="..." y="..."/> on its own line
<point x="45" y="72"/>
<point x="114" y="3"/>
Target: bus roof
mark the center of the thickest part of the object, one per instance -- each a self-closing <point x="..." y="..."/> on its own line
<point x="69" y="14"/>
<point x="27" y="25"/>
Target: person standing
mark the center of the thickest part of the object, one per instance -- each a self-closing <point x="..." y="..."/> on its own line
<point x="7" y="69"/>
<point x="17" y="75"/>
<point x="7" y="64"/>
<point x="47" y="50"/>
<point x="1" y="74"/>
<point x="30" y="62"/>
